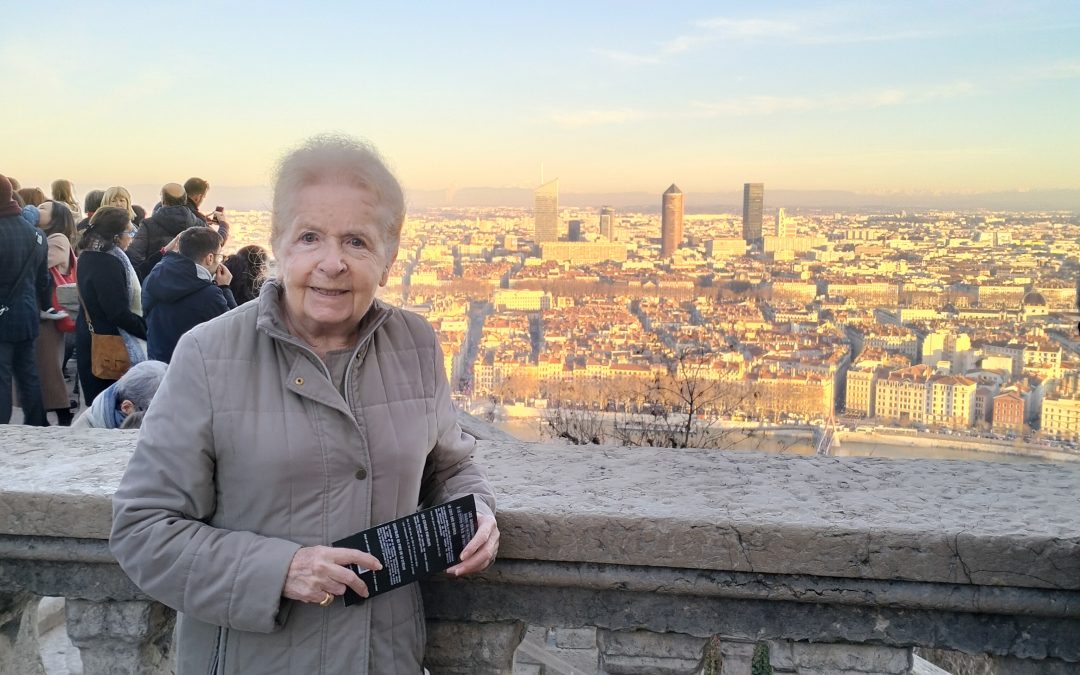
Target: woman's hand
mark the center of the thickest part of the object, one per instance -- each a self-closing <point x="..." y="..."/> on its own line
<point x="318" y="570"/>
<point x="481" y="550"/>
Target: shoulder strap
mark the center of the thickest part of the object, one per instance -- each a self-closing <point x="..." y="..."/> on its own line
<point x="86" y="310"/>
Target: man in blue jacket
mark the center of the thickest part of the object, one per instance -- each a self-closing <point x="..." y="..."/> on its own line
<point x="189" y="286"/>
<point x="25" y="290"/>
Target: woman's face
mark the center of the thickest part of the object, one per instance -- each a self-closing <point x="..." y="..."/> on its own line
<point x="124" y="240"/>
<point x="121" y="201"/>
<point x="332" y="258"/>
<point x="45" y="210"/>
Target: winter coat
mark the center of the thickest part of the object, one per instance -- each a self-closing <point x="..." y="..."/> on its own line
<point x="157" y="231"/>
<point x="107" y="297"/>
<point x="20" y="241"/>
<point x="249" y="452"/>
<point x="176" y="298"/>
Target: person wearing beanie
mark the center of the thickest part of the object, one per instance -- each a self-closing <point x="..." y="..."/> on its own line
<point x="25" y="290"/>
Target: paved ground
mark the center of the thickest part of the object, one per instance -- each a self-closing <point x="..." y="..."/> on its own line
<point x="17" y="414"/>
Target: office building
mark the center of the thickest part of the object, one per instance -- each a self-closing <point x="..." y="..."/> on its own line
<point x="752" y="204"/>
<point x="582" y="252"/>
<point x="573" y="232"/>
<point x="671" y="226"/>
<point x="607" y="223"/>
<point x="546" y="212"/>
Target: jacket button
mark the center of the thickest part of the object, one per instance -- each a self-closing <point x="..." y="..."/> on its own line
<point x="299" y="381"/>
<point x="361" y="473"/>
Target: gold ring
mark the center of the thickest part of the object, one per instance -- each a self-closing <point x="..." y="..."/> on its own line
<point x="327" y="600"/>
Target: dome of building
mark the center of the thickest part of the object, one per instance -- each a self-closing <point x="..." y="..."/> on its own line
<point x="1034" y="299"/>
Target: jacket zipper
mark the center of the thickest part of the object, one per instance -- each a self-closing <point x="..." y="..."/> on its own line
<point x="217" y="660"/>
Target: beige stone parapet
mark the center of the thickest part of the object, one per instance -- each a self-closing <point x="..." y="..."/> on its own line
<point x="838" y="564"/>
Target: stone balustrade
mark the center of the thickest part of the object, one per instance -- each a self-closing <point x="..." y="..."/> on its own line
<point x="635" y="560"/>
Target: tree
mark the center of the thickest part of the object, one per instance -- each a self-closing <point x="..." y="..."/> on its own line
<point x="683" y="408"/>
<point x="679" y="409"/>
<point x="577" y="426"/>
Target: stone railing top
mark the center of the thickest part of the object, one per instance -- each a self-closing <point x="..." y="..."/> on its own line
<point x="919" y="520"/>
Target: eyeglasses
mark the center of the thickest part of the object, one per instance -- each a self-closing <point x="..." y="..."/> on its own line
<point x="130" y="233"/>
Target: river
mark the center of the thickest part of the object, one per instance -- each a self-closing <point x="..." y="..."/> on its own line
<point x="850" y="445"/>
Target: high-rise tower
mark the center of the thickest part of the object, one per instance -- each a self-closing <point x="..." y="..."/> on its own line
<point x="671" y="236"/>
<point x="752" y="202"/>
<point x="546" y="212"/>
<point x="607" y="223"/>
<point x="781" y="223"/>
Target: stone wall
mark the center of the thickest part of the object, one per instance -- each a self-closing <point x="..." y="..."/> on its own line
<point x="841" y="565"/>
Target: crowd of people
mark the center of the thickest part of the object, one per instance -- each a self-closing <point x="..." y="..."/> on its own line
<point x="69" y="271"/>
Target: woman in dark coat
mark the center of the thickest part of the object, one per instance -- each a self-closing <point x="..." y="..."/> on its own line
<point x="248" y="267"/>
<point x="110" y="294"/>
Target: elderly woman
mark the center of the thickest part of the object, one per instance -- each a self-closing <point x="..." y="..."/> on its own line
<point x="130" y="394"/>
<point x="292" y="422"/>
<point x="120" y="197"/>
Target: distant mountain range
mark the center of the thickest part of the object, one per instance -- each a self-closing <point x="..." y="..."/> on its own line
<point x="258" y="197"/>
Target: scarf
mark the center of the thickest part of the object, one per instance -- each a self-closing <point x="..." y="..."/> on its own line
<point x="104" y="413"/>
<point x="136" y="347"/>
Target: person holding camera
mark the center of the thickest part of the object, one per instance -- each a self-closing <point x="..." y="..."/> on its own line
<point x="196" y="189"/>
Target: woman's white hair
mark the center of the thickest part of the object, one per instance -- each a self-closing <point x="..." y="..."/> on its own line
<point x="140" y="383"/>
<point x="338" y="159"/>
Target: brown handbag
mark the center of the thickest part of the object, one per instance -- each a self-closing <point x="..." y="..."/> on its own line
<point x="108" y="354"/>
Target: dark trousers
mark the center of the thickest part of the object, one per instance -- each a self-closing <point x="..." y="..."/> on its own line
<point x="19" y="363"/>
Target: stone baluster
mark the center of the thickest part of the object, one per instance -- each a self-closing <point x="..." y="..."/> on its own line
<point x="122" y="638"/>
<point x="18" y="634"/>
<point x="472" y="648"/>
<point x="638" y="652"/>
<point x="804" y="658"/>
<point x="736" y="656"/>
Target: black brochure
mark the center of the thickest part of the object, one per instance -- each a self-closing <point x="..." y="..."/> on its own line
<point x="413" y="547"/>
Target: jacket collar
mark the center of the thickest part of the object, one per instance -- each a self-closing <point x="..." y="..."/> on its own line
<point x="272" y="319"/>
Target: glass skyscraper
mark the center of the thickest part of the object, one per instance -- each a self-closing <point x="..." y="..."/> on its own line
<point x="546" y="212"/>
<point x="752" y="202"/>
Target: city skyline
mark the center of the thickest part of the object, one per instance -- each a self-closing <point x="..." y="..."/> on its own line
<point x="921" y="98"/>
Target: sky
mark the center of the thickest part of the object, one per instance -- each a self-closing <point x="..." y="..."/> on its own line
<point x="913" y="96"/>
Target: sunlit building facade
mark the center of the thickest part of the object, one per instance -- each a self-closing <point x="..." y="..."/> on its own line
<point x="752" y="206"/>
<point x="546" y="212"/>
<point x="671" y="225"/>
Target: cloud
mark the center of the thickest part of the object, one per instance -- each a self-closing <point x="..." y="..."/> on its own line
<point x="871" y="99"/>
<point x="747" y="29"/>
<point x="758" y="106"/>
<point x="1062" y="70"/>
<point x="832" y="26"/>
<point x="627" y="57"/>
<point x="591" y="118"/>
